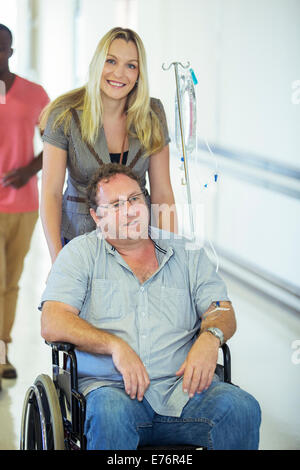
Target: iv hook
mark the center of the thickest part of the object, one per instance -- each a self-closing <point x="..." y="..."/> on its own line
<point x="164" y="67"/>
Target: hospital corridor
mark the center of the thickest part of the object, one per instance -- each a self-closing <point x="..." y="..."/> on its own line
<point x="226" y="76"/>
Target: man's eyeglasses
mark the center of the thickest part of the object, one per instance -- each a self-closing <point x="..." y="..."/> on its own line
<point x="115" y="206"/>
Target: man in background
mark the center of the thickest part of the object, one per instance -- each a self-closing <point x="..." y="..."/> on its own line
<point x="20" y="106"/>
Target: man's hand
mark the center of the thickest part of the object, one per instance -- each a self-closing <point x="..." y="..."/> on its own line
<point x="20" y="176"/>
<point x="199" y="367"/>
<point x="128" y="363"/>
<point x="16" y="178"/>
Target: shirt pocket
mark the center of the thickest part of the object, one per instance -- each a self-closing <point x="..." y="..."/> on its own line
<point x="175" y="306"/>
<point x="105" y="303"/>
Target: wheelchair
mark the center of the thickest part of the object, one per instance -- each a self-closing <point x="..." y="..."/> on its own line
<point x="54" y="411"/>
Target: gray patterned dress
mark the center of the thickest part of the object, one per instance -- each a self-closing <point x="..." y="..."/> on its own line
<point x="83" y="161"/>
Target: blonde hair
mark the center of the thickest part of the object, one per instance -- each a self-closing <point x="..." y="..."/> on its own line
<point x="142" y="121"/>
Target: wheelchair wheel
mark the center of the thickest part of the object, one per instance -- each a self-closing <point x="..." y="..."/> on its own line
<point x="42" y="424"/>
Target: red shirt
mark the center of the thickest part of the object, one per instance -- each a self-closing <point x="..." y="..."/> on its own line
<point x="19" y="116"/>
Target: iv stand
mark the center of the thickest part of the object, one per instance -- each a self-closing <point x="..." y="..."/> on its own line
<point x="182" y="141"/>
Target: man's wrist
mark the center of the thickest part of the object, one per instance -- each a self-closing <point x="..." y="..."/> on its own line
<point x="113" y="342"/>
<point x="35" y="165"/>
<point x="215" y="333"/>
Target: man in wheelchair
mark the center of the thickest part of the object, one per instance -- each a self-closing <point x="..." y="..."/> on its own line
<point x="147" y="317"/>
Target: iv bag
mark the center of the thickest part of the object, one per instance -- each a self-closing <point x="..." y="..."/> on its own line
<point x="188" y="114"/>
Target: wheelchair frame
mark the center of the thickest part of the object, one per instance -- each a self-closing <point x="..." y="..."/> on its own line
<point x="54" y="411"/>
<point x="65" y="432"/>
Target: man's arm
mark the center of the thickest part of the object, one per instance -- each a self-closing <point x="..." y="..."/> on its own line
<point x="61" y="322"/>
<point x="20" y="176"/>
<point x="199" y="367"/>
<point x="221" y="316"/>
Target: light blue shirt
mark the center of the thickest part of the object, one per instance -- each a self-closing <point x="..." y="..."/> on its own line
<point x="159" y="319"/>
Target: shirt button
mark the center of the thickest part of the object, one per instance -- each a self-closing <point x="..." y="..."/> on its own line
<point x="142" y="289"/>
<point x="143" y="336"/>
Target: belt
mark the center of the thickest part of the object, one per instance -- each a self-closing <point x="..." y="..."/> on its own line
<point x="76" y="199"/>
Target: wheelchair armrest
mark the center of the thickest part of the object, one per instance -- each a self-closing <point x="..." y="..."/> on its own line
<point x="226" y="362"/>
<point x="69" y="348"/>
<point x="69" y="354"/>
<point x="60" y="346"/>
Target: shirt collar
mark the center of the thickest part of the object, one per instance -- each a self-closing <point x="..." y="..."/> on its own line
<point x="155" y="235"/>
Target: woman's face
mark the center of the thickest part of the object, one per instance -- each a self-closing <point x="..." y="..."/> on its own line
<point x="121" y="70"/>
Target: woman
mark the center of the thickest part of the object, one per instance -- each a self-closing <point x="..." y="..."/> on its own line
<point x="110" y="119"/>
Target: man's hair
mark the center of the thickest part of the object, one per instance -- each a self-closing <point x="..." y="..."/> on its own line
<point x="5" y="28"/>
<point x="106" y="172"/>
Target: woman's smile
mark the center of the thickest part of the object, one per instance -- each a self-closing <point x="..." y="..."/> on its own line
<point x="115" y="84"/>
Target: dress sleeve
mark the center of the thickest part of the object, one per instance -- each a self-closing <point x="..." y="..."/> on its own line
<point x="158" y="108"/>
<point x="55" y="135"/>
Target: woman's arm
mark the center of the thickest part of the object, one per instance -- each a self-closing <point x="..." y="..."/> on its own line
<point x="53" y="178"/>
<point x="162" y="197"/>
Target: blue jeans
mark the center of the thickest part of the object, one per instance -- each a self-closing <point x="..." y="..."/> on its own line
<point x="222" y="417"/>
